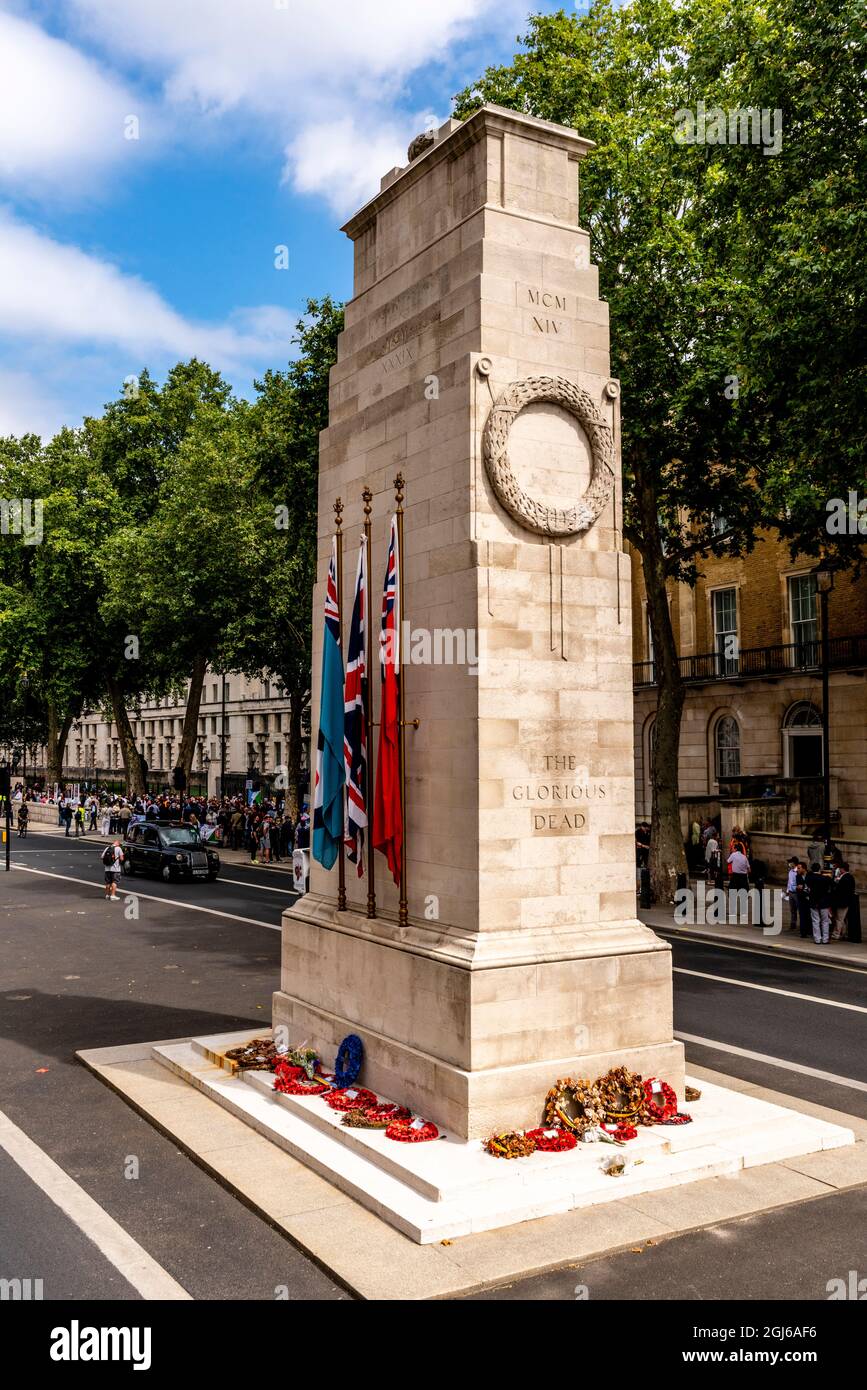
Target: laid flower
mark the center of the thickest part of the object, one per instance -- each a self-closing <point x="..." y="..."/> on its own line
<point x="511" y="1143"/>
<point x="552" y="1140"/>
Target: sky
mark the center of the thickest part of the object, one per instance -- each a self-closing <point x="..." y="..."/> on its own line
<point x="155" y="154"/>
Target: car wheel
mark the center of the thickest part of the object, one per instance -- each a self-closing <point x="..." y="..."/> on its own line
<point x="212" y="878"/>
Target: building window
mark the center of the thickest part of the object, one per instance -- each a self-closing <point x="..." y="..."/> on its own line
<point x="727" y="746"/>
<point x="802" y="741"/>
<point x="803" y="619"/>
<point x="214" y="694"/>
<point x="725" y="630"/>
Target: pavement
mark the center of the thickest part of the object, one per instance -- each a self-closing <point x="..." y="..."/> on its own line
<point x="169" y="961"/>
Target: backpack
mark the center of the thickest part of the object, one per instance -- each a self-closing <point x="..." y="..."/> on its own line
<point x="108" y="856"/>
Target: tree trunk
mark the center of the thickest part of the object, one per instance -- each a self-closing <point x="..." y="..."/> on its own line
<point x="293" y="755"/>
<point x="135" y="782"/>
<point x="190" y="735"/>
<point x="58" y="733"/>
<point x="667" y="854"/>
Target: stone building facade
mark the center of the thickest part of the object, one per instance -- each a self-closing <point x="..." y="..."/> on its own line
<point x="750" y="647"/>
<point x="255" y="713"/>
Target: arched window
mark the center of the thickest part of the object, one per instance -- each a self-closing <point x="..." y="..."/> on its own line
<point x="803" y="754"/>
<point x="727" y="748"/>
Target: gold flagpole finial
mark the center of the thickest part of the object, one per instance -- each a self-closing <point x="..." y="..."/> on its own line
<point x="338" y="513"/>
<point x="399" y="485"/>
<point x="367" y="498"/>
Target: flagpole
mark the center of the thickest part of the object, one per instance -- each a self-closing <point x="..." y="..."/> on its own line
<point x="341" y="863"/>
<point x="403" y="908"/>
<point x="367" y="495"/>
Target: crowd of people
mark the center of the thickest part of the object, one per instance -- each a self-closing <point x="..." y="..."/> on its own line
<point x="265" y="828"/>
<point x="820" y="887"/>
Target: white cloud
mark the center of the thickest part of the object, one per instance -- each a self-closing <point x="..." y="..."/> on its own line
<point x="326" y="79"/>
<point x="57" y="293"/>
<point x="28" y="405"/>
<point x="61" y="118"/>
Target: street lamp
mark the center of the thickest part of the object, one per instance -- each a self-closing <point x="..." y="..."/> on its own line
<point x="824" y="585"/>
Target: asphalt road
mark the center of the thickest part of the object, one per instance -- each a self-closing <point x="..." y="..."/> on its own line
<point x="78" y="972"/>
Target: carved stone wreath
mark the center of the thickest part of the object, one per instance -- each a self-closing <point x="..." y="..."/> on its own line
<point x="530" y="513"/>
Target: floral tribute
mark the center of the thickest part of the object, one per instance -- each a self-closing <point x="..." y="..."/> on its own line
<point x="376" y="1116"/>
<point x="350" y="1098"/>
<point x="660" y="1102"/>
<point x="623" y="1097"/>
<point x="552" y="1140"/>
<point x="350" y="1056"/>
<point x="260" y="1054"/>
<point x="412" y="1131"/>
<point x="512" y="1144"/>
<point x="574" y="1105"/>
<point x="292" y="1081"/>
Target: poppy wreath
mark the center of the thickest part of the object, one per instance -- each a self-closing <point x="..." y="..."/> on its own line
<point x="291" y="1081"/>
<point x="376" y="1116"/>
<point x="350" y="1098"/>
<point x="658" y="1109"/>
<point x="403" y="1132"/>
<point x="620" y="1131"/>
<point x="677" y="1119"/>
<point x="512" y="1144"/>
<point x="552" y="1140"/>
<point x="586" y="1099"/>
<point x="303" y="1057"/>
<point x="347" y="1066"/>
<point x="623" y="1096"/>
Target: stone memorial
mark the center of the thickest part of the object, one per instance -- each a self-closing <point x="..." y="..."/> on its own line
<point x="475" y="362"/>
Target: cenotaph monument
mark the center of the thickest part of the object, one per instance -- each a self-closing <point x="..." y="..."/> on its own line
<point x="475" y="363"/>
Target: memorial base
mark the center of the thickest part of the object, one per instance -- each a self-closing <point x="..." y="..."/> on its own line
<point x="472" y="1029"/>
<point x="448" y="1187"/>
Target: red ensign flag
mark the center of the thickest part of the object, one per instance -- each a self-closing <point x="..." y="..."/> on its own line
<point x="387" y="820"/>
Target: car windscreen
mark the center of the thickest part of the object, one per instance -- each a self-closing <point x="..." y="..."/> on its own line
<point x="179" y="837"/>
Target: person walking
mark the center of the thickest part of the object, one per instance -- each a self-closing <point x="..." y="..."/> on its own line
<point x="112" y="859"/>
<point x="711" y="858"/>
<point x="819" y="888"/>
<point x="23" y="818"/>
<point x="79" y="820"/>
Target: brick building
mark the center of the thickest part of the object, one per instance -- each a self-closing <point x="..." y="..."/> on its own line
<point x="750" y="650"/>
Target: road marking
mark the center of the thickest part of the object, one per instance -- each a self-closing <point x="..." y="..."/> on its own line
<point x="151" y="897"/>
<point x="848" y="1081"/>
<point x="770" y="989"/>
<point x="128" y="1257"/>
<point x="768" y="952"/>
<point x="263" y="887"/>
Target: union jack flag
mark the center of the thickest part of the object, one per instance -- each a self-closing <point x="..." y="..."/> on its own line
<point x="354" y="720"/>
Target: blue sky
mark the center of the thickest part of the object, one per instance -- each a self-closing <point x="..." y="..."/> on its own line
<point x="153" y="153"/>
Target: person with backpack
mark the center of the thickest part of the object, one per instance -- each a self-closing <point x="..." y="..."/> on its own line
<point x="112" y="859"/>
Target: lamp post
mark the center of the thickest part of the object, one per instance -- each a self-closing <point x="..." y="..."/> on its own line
<point x="825" y="584"/>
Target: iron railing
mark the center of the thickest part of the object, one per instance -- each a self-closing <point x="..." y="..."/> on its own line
<point x="752" y="662"/>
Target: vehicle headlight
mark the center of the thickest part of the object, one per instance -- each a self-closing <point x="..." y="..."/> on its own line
<point x="180" y="858"/>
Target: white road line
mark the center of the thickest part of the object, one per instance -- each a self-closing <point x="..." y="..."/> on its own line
<point x="152" y="897"/>
<point x="770" y="989"/>
<point x="771" y="953"/>
<point x="128" y="1257"/>
<point x="774" y="1061"/>
<point x="262" y="887"/>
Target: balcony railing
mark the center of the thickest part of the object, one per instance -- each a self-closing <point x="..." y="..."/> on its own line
<point x="752" y="662"/>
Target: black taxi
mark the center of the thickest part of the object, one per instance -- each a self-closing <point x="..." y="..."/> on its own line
<point x="169" y="850"/>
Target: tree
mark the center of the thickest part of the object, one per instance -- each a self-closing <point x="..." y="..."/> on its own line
<point x="672" y="269"/>
<point x="49" y="643"/>
<point x="273" y="634"/>
<point x="137" y="444"/>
